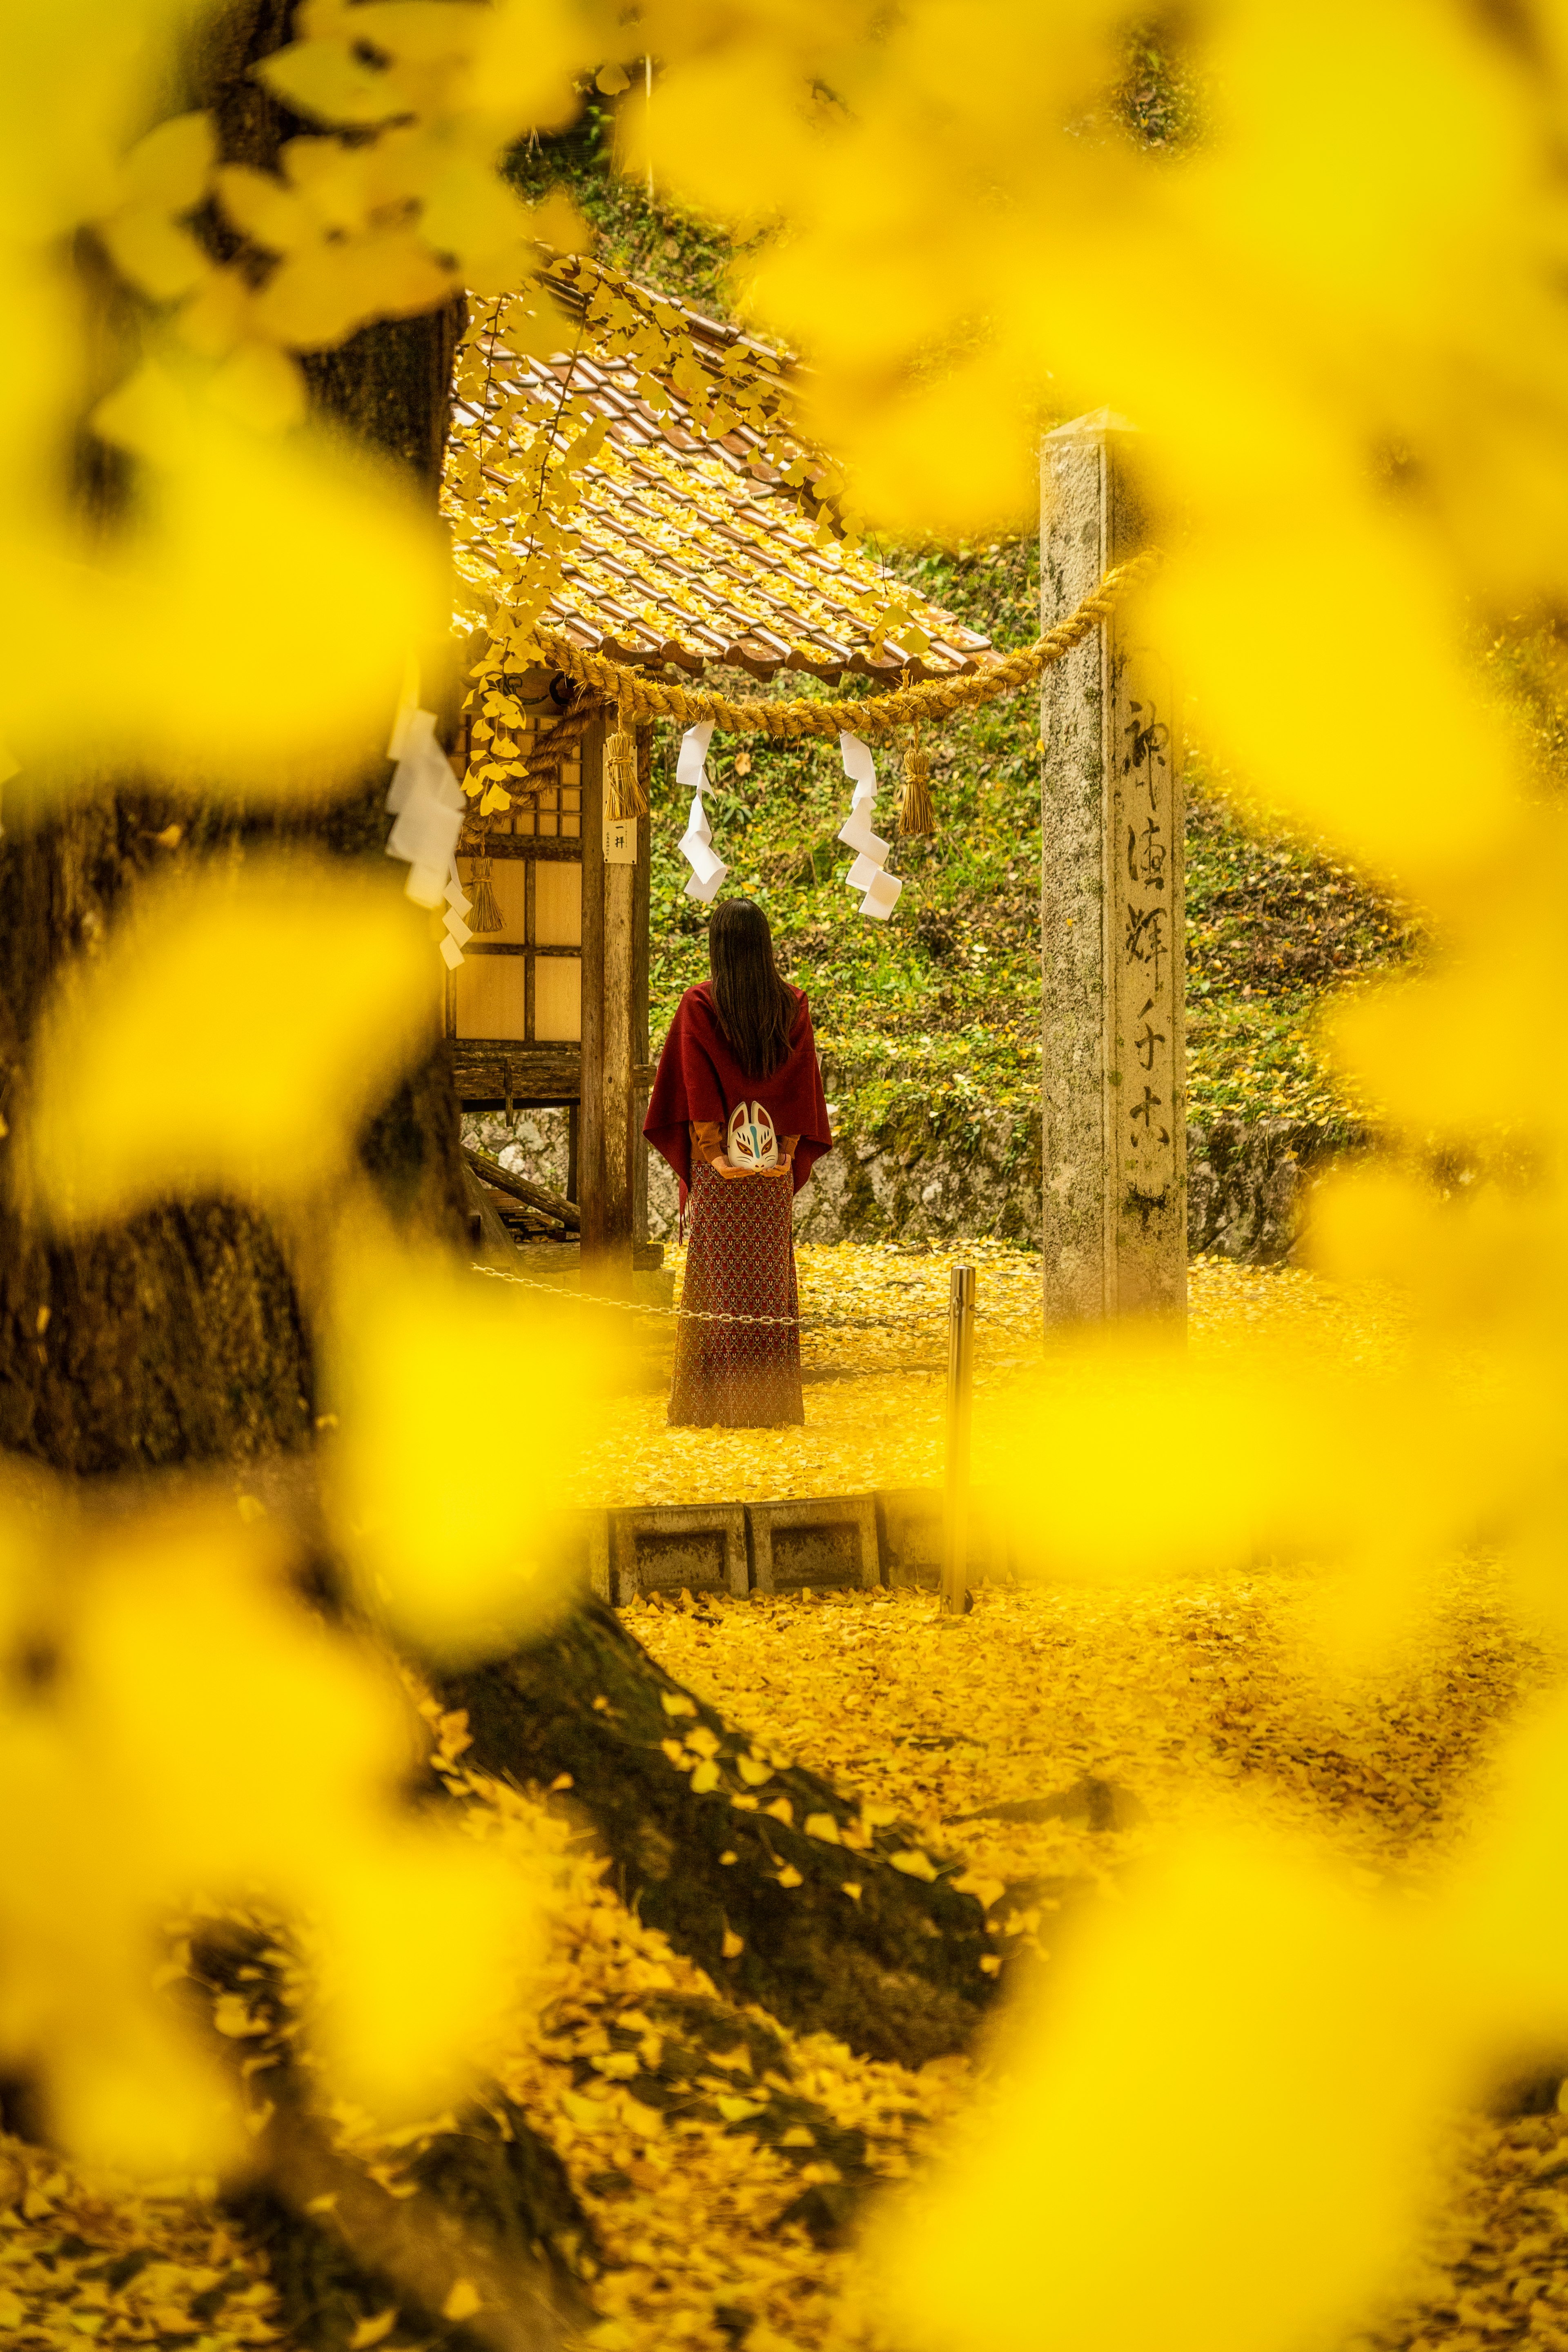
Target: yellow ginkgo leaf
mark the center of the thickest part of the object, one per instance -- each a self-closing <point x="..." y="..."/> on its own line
<point x="588" y="2115"/>
<point x="986" y="1891"/>
<point x="463" y="2301"/>
<point x="463" y="1565"/>
<point x="162" y="259"/>
<point x="171" y="165"/>
<point x="260" y="386"/>
<point x="231" y="2016"/>
<point x="914" y="1863"/>
<point x="268" y="212"/>
<point x="371" y="2331"/>
<point x="325" y="80"/>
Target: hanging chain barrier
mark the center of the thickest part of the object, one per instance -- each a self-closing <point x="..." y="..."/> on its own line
<point x="698" y="1315"/>
<point x="640" y="697"/>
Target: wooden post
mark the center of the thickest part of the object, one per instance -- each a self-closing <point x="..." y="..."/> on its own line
<point x="960" y="1416"/>
<point x="641" y="903"/>
<point x="620" y="886"/>
<point x="591" y="1123"/>
<point x="1113" y="913"/>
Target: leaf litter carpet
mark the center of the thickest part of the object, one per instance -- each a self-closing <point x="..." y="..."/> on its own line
<point x="875" y="1376"/>
<point x="1043" y="1744"/>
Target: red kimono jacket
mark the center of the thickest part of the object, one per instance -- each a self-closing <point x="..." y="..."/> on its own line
<point x="699" y="1078"/>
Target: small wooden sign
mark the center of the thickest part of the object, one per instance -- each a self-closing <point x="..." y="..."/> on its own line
<point x="620" y="840"/>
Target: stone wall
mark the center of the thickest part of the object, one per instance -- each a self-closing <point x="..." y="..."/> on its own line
<point x="535" y="1147"/>
<point x="1247" y="1183"/>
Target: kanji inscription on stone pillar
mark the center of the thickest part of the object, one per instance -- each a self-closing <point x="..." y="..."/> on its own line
<point x="1113" y="912"/>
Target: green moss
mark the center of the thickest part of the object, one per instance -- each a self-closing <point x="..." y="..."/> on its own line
<point x="934" y="1018"/>
<point x="1275" y="928"/>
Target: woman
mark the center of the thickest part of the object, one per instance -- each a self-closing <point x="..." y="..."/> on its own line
<point x="740" y="1051"/>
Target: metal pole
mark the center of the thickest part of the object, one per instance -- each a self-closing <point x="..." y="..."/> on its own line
<point x="960" y="1413"/>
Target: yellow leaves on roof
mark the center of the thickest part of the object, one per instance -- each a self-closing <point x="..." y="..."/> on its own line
<point x="641" y="485"/>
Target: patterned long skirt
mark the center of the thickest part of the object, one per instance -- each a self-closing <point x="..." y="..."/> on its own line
<point x="740" y="1261"/>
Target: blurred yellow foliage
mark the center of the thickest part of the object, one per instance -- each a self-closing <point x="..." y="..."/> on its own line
<point x="228" y="1038"/>
<point x="253" y="621"/>
<point x="1339" y="323"/>
<point x="190" y="1732"/>
<point x="465" y="1409"/>
<point x="1328" y="297"/>
<point x="1214" y="2136"/>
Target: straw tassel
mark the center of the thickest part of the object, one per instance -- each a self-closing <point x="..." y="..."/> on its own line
<point x="623" y="783"/>
<point x="486" y="913"/>
<point x="916" y="815"/>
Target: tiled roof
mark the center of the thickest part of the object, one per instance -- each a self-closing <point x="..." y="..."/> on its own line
<point x="691" y="550"/>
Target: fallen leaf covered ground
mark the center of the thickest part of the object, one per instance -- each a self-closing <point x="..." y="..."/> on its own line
<point x="1044" y="1743"/>
<point x="113" y="2261"/>
<point x="873" y="1357"/>
<point x="1190" y="1700"/>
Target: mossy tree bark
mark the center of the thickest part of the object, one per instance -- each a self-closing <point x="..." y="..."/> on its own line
<point x="177" y="1336"/>
<point x="892" y="1968"/>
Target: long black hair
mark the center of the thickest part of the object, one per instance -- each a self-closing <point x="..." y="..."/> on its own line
<point x="756" y="1005"/>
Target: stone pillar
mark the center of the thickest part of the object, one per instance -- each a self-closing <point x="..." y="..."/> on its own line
<point x="1113" y="913"/>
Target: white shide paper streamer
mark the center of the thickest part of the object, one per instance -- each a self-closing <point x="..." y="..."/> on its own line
<point x="867" y="874"/>
<point x="427" y="805"/>
<point x="457" y="932"/>
<point x="697" y="842"/>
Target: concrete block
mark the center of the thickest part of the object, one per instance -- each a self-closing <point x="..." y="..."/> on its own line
<point x="826" y="1539"/>
<point x="701" y="1545"/>
<point x="909" y="1528"/>
<point x="579" y="1548"/>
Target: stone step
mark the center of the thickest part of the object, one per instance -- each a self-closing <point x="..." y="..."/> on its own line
<point x="892" y="1536"/>
<point x="822" y="1540"/>
<point x="699" y="1546"/>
